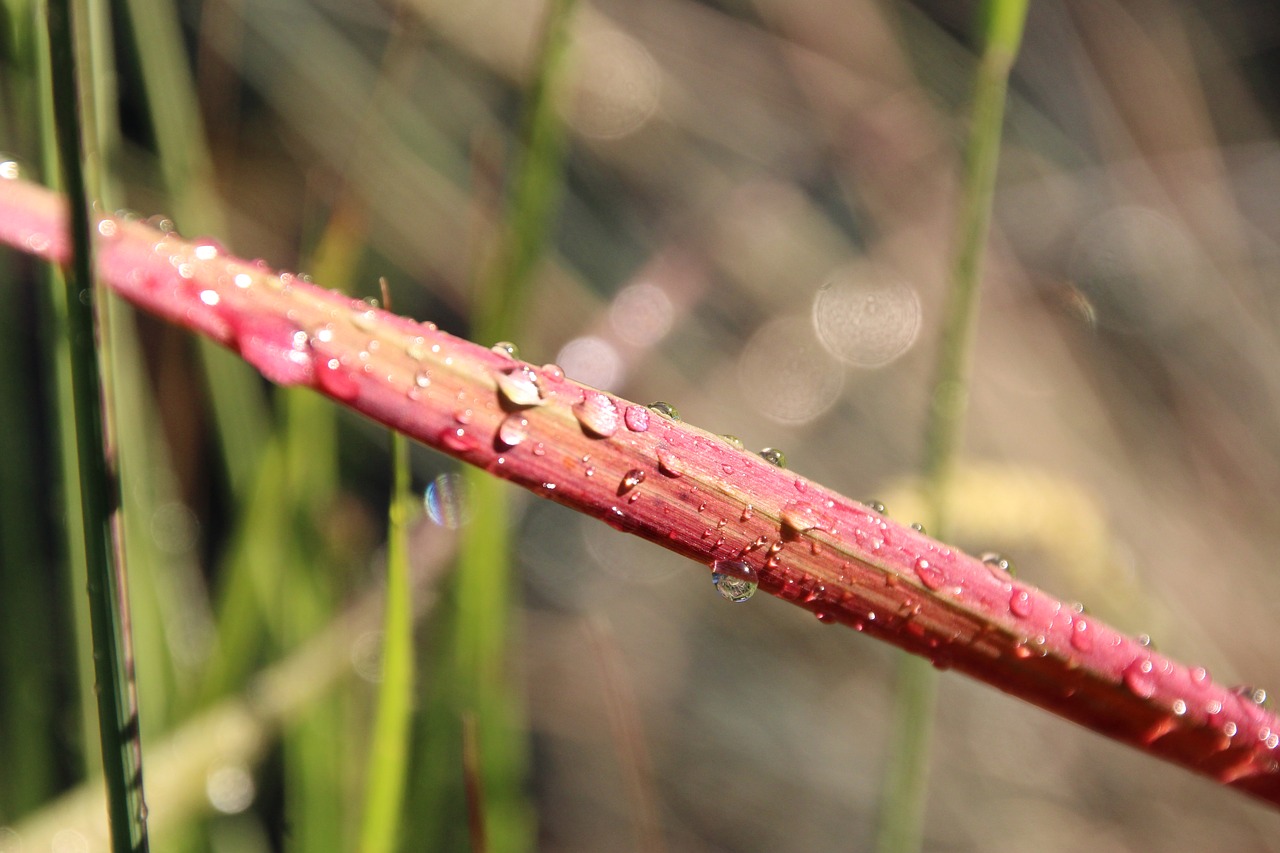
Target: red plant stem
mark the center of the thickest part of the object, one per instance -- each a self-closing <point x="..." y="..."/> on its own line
<point x="681" y="487"/>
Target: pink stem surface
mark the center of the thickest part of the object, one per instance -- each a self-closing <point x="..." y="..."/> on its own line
<point x="682" y="488"/>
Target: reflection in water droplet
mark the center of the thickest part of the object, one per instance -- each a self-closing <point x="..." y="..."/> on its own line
<point x="506" y="348"/>
<point x="446" y="501"/>
<point x="865" y="319"/>
<point x="513" y="429"/>
<point x="633" y="478"/>
<point x="597" y="413"/>
<point x="774" y="457"/>
<point x="734" y="580"/>
<point x="665" y="409"/>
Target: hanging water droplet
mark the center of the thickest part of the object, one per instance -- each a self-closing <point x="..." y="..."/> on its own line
<point x="633" y="478"/>
<point x="774" y="457"/>
<point x="446" y="501"/>
<point x="506" y="348"/>
<point x="875" y="506"/>
<point x="513" y="429"/>
<point x="917" y="527"/>
<point x="998" y="564"/>
<point x="519" y="385"/>
<point x="665" y="409"/>
<point x="734" y="580"/>
<point x="733" y="441"/>
<point x="597" y="413"/>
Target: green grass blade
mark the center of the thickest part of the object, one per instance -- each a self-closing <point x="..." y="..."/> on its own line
<point x="117" y="710"/>
<point x="902" y="811"/>
<point x="388" y="755"/>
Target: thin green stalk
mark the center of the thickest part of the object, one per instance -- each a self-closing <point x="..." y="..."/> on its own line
<point x="388" y="756"/>
<point x="473" y="674"/>
<point x="902" y="812"/>
<point x="108" y="601"/>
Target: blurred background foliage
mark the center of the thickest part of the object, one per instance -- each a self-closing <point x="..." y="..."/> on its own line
<point x="755" y="225"/>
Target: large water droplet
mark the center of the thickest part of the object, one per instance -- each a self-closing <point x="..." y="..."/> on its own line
<point x="665" y="409"/>
<point x="636" y="418"/>
<point x="513" y="429"/>
<point x="774" y="456"/>
<point x="446" y="502"/>
<point x="1140" y="678"/>
<point x="519" y="385"/>
<point x="597" y="413"/>
<point x="633" y="478"/>
<point x="1081" y="636"/>
<point x="734" y="580"/>
<point x="506" y="348"/>
<point x="279" y="349"/>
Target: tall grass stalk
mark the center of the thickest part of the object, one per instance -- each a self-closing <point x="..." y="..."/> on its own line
<point x="903" y="808"/>
<point x="119" y="726"/>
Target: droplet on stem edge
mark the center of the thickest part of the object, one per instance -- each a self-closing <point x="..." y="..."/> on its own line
<point x="734" y="580"/>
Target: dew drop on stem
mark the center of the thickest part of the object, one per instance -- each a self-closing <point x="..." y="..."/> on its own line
<point x="597" y="414"/>
<point x="636" y="418"/>
<point x="506" y="348"/>
<point x="665" y="409"/>
<point x="774" y="456"/>
<point x="917" y="527"/>
<point x="998" y="564"/>
<point x="876" y="506"/>
<point x="513" y="430"/>
<point x="633" y="478"/>
<point x="734" y="580"/>
<point x="733" y="441"/>
<point x="519" y="386"/>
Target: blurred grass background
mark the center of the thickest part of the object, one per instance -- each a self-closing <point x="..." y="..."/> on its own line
<point x="754" y="225"/>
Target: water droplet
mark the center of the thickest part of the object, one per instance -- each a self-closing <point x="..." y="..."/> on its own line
<point x="930" y="575"/>
<point x="1256" y="695"/>
<point x="797" y="519"/>
<point x="1081" y="636"/>
<point x="1144" y="640"/>
<point x="207" y="249"/>
<point x="506" y="348"/>
<point x="733" y="441"/>
<point x="422" y="378"/>
<point x="243" y="280"/>
<point x="106" y="227"/>
<point x="1179" y="707"/>
<point x="446" y="502"/>
<point x="998" y="564"/>
<point x="917" y="527"/>
<point x="665" y="409"/>
<point x="734" y="580"/>
<point x="553" y="370"/>
<point x="1020" y="603"/>
<point x="774" y="457"/>
<point x="9" y="168"/>
<point x="597" y="413"/>
<point x="633" y="478"/>
<point x="336" y="381"/>
<point x="519" y="385"/>
<point x="365" y="320"/>
<point x="513" y="429"/>
<point x="162" y="223"/>
<point x="1139" y="677"/>
<point x="875" y="506"/>
<point x="748" y="512"/>
<point x="1199" y="675"/>
<point x="801" y="485"/>
<point x="669" y="463"/>
<point x="457" y="440"/>
<point x="279" y="349"/>
<point x="636" y="418"/>
<point x="826" y="617"/>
